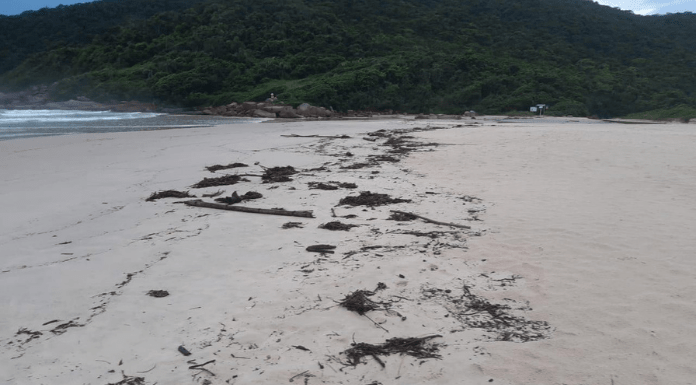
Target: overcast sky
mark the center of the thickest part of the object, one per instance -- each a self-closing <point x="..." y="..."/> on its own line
<point x="642" y="7"/>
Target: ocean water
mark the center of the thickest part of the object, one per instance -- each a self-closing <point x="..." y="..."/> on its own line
<point x="17" y="124"/>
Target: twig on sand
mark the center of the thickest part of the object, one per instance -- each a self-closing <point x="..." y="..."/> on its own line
<point x="432" y="220"/>
<point x="200" y="203"/>
<point x="199" y="366"/>
<point x="149" y="370"/>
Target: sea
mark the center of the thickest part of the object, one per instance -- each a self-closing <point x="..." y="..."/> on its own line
<point x="19" y="124"/>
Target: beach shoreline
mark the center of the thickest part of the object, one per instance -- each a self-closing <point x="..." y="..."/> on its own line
<point x="83" y="248"/>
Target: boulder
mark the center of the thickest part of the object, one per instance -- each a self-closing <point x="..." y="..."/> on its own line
<point x="275" y="109"/>
<point x="264" y="114"/>
<point x="249" y="105"/>
<point x="289" y="113"/>
<point x="311" y="111"/>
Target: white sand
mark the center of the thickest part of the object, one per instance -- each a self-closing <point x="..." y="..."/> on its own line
<point x="596" y="219"/>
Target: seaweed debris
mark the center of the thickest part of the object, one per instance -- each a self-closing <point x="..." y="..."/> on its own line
<point x="220" y="181"/>
<point x="129" y="380"/>
<point x="336" y="226"/>
<point x="332" y="185"/>
<point x="251" y="195"/>
<point x="158" y="293"/>
<point x="321" y="186"/>
<point x="356" y="166"/>
<point x="476" y="312"/>
<point x="32" y="334"/>
<point x="367" y="198"/>
<point x="278" y="174"/>
<point x="292" y="225"/>
<point x="359" y="302"/>
<point x="402" y="217"/>
<point x="213" y="195"/>
<point x="235" y="198"/>
<point x="218" y="167"/>
<point x="169" y="194"/>
<point x="419" y="347"/>
<point x="384" y="158"/>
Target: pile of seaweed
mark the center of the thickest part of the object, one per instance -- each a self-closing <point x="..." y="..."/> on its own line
<point x="158" y="293"/>
<point x="218" y="167"/>
<point x="332" y="185"/>
<point x="169" y="194"/>
<point x="419" y="347"/>
<point x="367" y="198"/>
<point x="129" y="380"/>
<point x="384" y="158"/>
<point x="278" y="174"/>
<point x="356" y="166"/>
<point x="321" y="186"/>
<point x="235" y="198"/>
<point x="337" y="226"/>
<point x="401" y="216"/>
<point x="476" y="312"/>
<point x="359" y="301"/>
<point x="220" y="181"/>
<point x="292" y="225"/>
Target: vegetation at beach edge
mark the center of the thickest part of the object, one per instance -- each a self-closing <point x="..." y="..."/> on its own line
<point x="682" y="113"/>
<point x="432" y="56"/>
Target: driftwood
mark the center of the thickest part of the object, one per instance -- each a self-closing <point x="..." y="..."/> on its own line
<point x="431" y="220"/>
<point x="200" y="203"/>
<point x="321" y="248"/>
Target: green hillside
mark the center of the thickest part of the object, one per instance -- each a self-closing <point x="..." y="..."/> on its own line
<point x="409" y="55"/>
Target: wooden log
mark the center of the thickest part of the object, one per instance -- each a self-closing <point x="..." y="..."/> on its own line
<point x="219" y="206"/>
<point x="431" y="220"/>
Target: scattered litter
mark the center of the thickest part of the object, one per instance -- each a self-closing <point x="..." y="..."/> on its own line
<point x="183" y="351"/>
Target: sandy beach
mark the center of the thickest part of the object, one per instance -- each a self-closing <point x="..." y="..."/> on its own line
<point x="543" y="251"/>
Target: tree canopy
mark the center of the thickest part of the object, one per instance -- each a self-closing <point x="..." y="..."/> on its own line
<point x="408" y="55"/>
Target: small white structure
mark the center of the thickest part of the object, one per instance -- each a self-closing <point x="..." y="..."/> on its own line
<point x="539" y="107"/>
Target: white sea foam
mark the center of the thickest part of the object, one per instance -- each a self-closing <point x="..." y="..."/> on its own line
<point x="47" y="116"/>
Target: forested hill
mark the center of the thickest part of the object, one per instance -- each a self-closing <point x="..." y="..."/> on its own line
<point x="38" y="31"/>
<point x="407" y="55"/>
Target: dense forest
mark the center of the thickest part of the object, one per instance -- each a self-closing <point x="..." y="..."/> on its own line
<point x="409" y="55"/>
